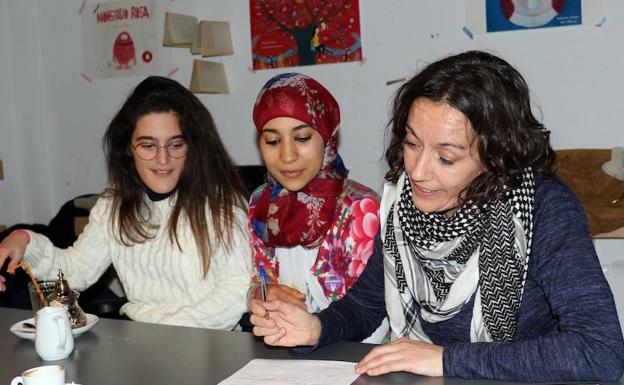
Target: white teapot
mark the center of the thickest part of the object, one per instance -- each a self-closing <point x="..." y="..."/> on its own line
<point x="53" y="335"/>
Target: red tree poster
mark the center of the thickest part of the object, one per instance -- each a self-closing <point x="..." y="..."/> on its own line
<point x="286" y="33"/>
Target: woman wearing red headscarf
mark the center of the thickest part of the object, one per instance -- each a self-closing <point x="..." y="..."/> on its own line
<point x="312" y="229"/>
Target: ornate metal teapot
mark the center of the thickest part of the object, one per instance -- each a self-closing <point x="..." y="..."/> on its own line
<point x="69" y="298"/>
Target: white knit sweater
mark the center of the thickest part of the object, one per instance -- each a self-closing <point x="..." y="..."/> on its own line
<point x="163" y="284"/>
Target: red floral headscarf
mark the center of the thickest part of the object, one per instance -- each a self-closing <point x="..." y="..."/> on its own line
<point x="282" y="218"/>
<point x="337" y="215"/>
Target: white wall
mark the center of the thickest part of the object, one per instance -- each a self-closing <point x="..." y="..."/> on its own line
<point x="611" y="255"/>
<point x="52" y="121"/>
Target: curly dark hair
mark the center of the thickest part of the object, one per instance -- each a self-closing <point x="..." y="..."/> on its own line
<point x="208" y="178"/>
<point x="494" y="97"/>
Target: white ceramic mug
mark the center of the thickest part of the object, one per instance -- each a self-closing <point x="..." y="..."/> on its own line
<point x="42" y="375"/>
<point x="53" y="335"/>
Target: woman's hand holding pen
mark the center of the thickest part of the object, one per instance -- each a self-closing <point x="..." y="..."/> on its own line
<point x="286" y="325"/>
<point x="287" y="294"/>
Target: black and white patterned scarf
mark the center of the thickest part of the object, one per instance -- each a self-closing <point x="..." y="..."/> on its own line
<point x="433" y="265"/>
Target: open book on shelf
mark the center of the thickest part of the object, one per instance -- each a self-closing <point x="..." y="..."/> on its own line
<point x="180" y="30"/>
<point x="212" y="38"/>
<point x="208" y="77"/>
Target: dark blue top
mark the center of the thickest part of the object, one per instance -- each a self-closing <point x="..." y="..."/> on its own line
<point x="568" y="329"/>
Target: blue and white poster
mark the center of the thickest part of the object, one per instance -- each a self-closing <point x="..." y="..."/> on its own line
<point x="511" y="15"/>
<point x="485" y="16"/>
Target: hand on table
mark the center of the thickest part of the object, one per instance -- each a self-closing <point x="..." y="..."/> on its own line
<point x="287" y="324"/>
<point x="403" y="355"/>
<point x="12" y="247"/>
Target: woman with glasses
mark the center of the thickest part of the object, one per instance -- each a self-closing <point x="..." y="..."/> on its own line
<point x="172" y="221"/>
<point x="311" y="228"/>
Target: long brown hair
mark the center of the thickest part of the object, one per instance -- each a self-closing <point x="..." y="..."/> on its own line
<point x="208" y="178"/>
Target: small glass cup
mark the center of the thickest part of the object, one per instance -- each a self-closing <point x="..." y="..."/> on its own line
<point x="46" y="287"/>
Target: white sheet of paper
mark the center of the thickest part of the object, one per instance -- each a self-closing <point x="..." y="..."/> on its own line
<point x="293" y="372"/>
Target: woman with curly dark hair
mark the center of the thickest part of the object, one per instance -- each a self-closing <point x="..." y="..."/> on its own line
<point x="172" y="222"/>
<point x="484" y="264"/>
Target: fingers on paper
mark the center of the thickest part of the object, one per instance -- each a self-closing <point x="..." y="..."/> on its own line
<point x="380" y="360"/>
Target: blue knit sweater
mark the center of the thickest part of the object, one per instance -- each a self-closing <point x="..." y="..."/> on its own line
<point x="568" y="329"/>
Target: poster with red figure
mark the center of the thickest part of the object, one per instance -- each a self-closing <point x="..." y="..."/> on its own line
<point x="121" y="39"/>
<point x="287" y="33"/>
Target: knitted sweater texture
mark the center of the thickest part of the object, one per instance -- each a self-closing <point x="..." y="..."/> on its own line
<point x="163" y="284"/>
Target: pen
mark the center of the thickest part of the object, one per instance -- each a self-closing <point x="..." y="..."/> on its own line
<point x="263" y="287"/>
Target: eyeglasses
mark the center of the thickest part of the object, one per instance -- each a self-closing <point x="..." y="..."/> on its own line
<point x="148" y="150"/>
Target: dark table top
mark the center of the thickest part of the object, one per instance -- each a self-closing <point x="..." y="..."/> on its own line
<point x="128" y="352"/>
